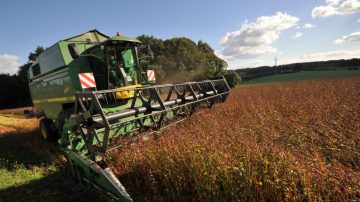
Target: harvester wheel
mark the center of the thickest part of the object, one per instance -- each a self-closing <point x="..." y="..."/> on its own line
<point x="62" y="117"/>
<point x="48" y="131"/>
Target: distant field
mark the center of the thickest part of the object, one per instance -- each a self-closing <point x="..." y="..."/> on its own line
<point x="304" y="75"/>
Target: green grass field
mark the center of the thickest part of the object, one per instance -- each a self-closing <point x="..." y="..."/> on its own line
<point x="303" y="75"/>
<point x="32" y="169"/>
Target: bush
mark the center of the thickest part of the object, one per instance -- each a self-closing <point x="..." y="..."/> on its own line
<point x="232" y="78"/>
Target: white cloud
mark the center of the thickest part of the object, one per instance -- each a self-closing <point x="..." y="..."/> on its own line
<point x="255" y="39"/>
<point x="330" y="55"/>
<point x="9" y="63"/>
<point x="358" y="20"/>
<point x="336" y="7"/>
<point x="332" y="2"/>
<point x="308" y="26"/>
<point x="297" y="35"/>
<point x="353" y="37"/>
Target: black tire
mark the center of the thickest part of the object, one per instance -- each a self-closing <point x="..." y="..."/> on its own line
<point x="62" y="117"/>
<point x="48" y="130"/>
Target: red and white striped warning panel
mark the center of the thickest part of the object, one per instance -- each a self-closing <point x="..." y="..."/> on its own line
<point x="87" y="80"/>
<point x="150" y="75"/>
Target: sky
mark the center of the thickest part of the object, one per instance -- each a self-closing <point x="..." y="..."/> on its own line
<point x="245" y="33"/>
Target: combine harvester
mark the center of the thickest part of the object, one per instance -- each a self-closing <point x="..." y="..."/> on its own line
<point x="94" y="94"/>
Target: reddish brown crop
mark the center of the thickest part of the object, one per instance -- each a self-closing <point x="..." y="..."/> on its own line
<point x="296" y="141"/>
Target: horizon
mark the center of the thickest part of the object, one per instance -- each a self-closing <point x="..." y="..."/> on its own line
<point x="245" y="34"/>
<point x="315" y="61"/>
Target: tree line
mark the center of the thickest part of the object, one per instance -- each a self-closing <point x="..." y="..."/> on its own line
<point x="14" y="91"/>
<point x="181" y="59"/>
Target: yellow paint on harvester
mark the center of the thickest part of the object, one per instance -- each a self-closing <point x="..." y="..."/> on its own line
<point x="127" y="93"/>
<point x="119" y="95"/>
<point x="66" y="89"/>
<point x="58" y="99"/>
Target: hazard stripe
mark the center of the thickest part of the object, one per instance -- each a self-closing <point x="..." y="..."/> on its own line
<point x="90" y="77"/>
<point x="151" y="75"/>
<point x="84" y="78"/>
<point x="87" y="80"/>
<point x="84" y="84"/>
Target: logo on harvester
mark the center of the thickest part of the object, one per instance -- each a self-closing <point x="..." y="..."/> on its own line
<point x="87" y="80"/>
<point x="150" y="75"/>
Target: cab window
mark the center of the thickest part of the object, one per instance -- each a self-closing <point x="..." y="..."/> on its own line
<point x="36" y="70"/>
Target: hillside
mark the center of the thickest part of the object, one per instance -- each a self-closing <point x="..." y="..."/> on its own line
<point x="309" y="70"/>
<point x="303" y="75"/>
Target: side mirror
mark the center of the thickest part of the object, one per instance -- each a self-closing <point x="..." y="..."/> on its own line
<point x="73" y="51"/>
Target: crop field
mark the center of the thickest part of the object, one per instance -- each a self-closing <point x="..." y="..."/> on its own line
<point x="292" y="141"/>
<point x="297" y="141"/>
<point x="303" y="75"/>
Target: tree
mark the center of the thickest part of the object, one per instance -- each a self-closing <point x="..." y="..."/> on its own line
<point x="33" y="55"/>
<point x="216" y="65"/>
<point x="204" y="47"/>
<point x="181" y="59"/>
<point x="14" y="91"/>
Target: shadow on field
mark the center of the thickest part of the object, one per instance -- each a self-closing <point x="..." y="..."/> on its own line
<point x="58" y="186"/>
<point x="27" y="149"/>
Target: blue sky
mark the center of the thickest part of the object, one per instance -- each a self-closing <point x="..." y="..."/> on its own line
<point x="245" y="33"/>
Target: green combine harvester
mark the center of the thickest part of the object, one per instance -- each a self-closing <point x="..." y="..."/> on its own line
<point x="95" y="94"/>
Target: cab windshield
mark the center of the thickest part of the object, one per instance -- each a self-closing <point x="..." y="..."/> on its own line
<point x="121" y="64"/>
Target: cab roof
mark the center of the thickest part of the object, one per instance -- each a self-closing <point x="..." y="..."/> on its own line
<point x="94" y="36"/>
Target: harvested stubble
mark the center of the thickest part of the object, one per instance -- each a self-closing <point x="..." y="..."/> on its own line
<point x="23" y="134"/>
<point x="296" y="141"/>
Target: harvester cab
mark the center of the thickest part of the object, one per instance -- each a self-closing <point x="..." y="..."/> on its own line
<point x="95" y="94"/>
<point x="117" y="63"/>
